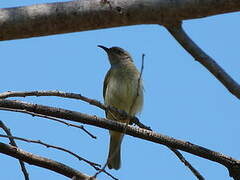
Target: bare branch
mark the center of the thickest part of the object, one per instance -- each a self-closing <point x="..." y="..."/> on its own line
<point x="74" y="96"/>
<point x="41" y="162"/>
<point x="74" y="16"/>
<point x="53" y="93"/>
<point x="94" y="165"/>
<point x="199" y="55"/>
<point x="51" y="118"/>
<point x="181" y="157"/>
<point x="13" y="143"/>
<point x="232" y="164"/>
<point x="54" y="147"/>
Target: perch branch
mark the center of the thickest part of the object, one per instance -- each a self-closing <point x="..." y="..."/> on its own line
<point x="51" y="118"/>
<point x="73" y="96"/>
<point x="230" y="163"/>
<point x="54" y="147"/>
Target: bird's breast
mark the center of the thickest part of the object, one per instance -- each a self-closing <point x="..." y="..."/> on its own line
<point x="121" y="91"/>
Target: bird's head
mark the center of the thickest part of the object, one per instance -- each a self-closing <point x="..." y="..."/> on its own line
<point x="116" y="55"/>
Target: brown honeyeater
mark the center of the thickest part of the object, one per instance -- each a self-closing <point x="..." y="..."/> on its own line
<point x="122" y="89"/>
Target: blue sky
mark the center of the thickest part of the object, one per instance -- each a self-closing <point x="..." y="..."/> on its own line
<point x="182" y="99"/>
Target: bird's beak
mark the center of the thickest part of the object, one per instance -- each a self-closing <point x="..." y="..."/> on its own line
<point x="104" y="48"/>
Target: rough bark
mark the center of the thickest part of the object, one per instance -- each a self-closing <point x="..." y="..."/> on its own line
<point x="73" y="16"/>
<point x="42" y="162"/>
<point x="231" y="164"/>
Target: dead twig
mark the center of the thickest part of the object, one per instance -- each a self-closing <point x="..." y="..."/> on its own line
<point x="95" y="166"/>
<point x="181" y="157"/>
<point x="54" y="147"/>
<point x="13" y="143"/>
<point x="230" y="163"/>
<point x="51" y="118"/>
<point x="42" y="162"/>
<point x="74" y="96"/>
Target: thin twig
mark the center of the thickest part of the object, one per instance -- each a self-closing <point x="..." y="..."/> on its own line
<point x="43" y="162"/>
<point x="181" y="157"/>
<point x="138" y="86"/>
<point x="58" y="120"/>
<point x="52" y="93"/>
<point x="94" y="165"/>
<point x="54" y="147"/>
<point x="103" y="168"/>
<point x="230" y="163"/>
<point x="198" y="54"/>
<point x="208" y="62"/>
<point x="13" y="143"/>
<point x="74" y="96"/>
<point x="51" y="118"/>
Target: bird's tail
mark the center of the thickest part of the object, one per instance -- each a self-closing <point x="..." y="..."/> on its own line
<point x="114" y="155"/>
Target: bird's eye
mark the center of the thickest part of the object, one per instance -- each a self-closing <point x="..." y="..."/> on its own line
<point x="118" y="51"/>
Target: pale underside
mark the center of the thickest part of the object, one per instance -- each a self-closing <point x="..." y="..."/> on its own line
<point x="121" y="90"/>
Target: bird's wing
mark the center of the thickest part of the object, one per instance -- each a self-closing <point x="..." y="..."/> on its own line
<point x="106" y="81"/>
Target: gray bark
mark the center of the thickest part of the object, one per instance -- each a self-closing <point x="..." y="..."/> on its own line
<point x="73" y="16"/>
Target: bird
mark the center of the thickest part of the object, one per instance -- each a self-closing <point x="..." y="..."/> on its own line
<point x="122" y="89"/>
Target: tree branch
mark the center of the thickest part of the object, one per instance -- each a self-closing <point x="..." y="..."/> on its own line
<point x="13" y="143"/>
<point x="233" y="165"/>
<point x="92" y="164"/>
<point x="178" y="154"/>
<point x="74" y="16"/>
<point x="41" y="162"/>
<point x="199" y="55"/>
<point x="193" y="170"/>
<point x="51" y="118"/>
<point x="94" y="102"/>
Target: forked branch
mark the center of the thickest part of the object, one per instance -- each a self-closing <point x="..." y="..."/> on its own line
<point x="41" y="162"/>
<point x="232" y="164"/>
<point x="13" y="143"/>
<point x="177" y="31"/>
<point x="94" y="102"/>
<point x="75" y="16"/>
